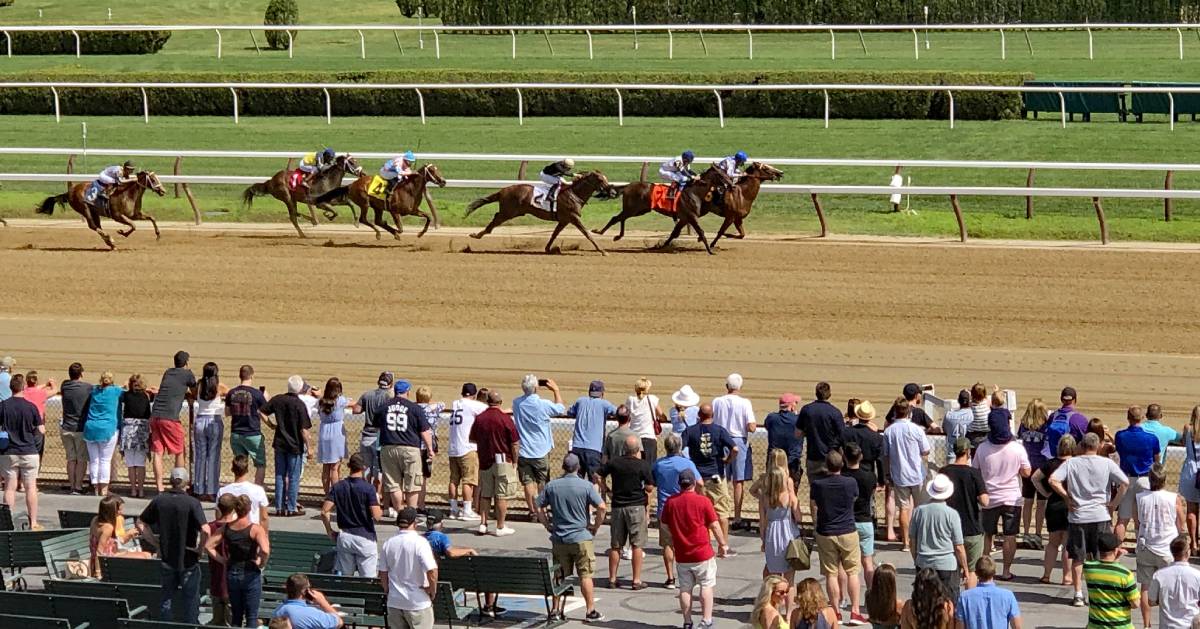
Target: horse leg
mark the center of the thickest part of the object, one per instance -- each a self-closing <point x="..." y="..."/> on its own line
<point x="293" y="214"/>
<point x="428" y="220"/>
<point x="737" y="222"/>
<point x="362" y="218"/>
<point x="312" y="213"/>
<point x="557" y="230"/>
<point x="674" y="234"/>
<point x="499" y="219"/>
<point x="93" y="219"/>
<point x="120" y="218"/>
<point x="695" y="222"/>
<point x="612" y="221"/>
<point x="724" y="226"/>
<point x="154" y="223"/>
<point x="578" y="223"/>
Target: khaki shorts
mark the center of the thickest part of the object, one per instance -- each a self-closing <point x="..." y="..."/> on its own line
<point x="533" y="471"/>
<point x="664" y="536"/>
<point x="401" y="619"/>
<point x="628" y="525"/>
<point x="580" y="558"/>
<point x="973" y="545"/>
<point x="839" y="551"/>
<point x="906" y="497"/>
<point x="75" y="447"/>
<point x="1147" y="564"/>
<point x="464" y="469"/>
<point x="1128" y="505"/>
<point x="499" y="481"/>
<point x="26" y="465"/>
<point x="703" y="574"/>
<point x="717" y="491"/>
<point x="401" y="468"/>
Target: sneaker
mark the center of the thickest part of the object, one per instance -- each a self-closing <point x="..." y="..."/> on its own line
<point x="706" y="624"/>
<point x="593" y="616"/>
<point x="729" y="553"/>
<point x="1078" y="601"/>
<point x="856" y="620"/>
<point x="626" y="553"/>
<point x="687" y="625"/>
<point x="504" y="532"/>
<point x="392" y="514"/>
<point x="498" y="611"/>
<point x="482" y="530"/>
<point x="670" y="584"/>
<point x="559" y="616"/>
<point x="468" y="514"/>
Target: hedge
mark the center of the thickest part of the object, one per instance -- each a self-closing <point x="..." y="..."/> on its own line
<point x="90" y="42"/>
<point x="281" y="13"/>
<point x="310" y="102"/>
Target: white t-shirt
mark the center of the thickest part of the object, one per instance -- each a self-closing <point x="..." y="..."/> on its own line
<point x="407" y="558"/>
<point x="734" y="413"/>
<point x="1176" y="589"/>
<point x="641" y="415"/>
<point x="257" y="495"/>
<point x="1156" y="521"/>
<point x="462" y="417"/>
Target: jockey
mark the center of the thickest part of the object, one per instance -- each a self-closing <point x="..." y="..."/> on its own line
<point x="314" y="163"/>
<point x="678" y="171"/>
<point x="556" y="175"/>
<point x="729" y="166"/>
<point x="110" y="178"/>
<point x="396" y="169"/>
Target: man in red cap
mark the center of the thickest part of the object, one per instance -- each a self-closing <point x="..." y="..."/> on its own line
<point x="781" y="434"/>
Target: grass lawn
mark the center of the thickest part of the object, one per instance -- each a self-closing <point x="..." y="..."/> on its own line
<point x="987" y="217"/>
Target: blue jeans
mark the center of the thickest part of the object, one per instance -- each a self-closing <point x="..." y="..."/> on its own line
<point x="245" y="594"/>
<point x="181" y="587"/>
<point x="206" y="469"/>
<point x="287" y="480"/>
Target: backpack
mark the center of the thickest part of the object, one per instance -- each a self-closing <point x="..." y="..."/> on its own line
<point x="1058" y="426"/>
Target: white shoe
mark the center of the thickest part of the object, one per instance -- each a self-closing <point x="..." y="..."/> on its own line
<point x="391" y="514"/>
<point x="626" y="553"/>
<point x="468" y="515"/>
<point x="504" y="532"/>
<point x="483" y="529"/>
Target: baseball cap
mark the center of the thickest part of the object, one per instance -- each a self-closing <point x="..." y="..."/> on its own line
<point x="385" y="379"/>
<point x="787" y="399"/>
<point x="687" y="478"/>
<point x="469" y="389"/>
<point x="1068" y="393"/>
<point x="406" y="518"/>
<point x="433" y="518"/>
<point x="402" y="386"/>
<point x="596" y="388"/>
<point x="179" y="473"/>
<point x="962" y="445"/>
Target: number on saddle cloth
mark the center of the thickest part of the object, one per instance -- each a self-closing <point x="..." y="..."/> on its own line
<point x="542" y="197"/>
<point x="93" y="193"/>
<point x="295" y="178"/>
<point x="664" y="197"/>
<point x="378" y="187"/>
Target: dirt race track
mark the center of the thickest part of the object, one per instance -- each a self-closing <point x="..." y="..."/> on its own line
<point x="1120" y="325"/>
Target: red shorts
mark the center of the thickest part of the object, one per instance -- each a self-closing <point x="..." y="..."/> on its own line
<point x="166" y="435"/>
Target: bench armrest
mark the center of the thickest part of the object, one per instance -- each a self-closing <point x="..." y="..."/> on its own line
<point x="137" y="611"/>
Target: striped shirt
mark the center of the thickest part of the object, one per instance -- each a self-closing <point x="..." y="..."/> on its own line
<point x="1112" y="594"/>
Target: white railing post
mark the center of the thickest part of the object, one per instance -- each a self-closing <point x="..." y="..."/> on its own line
<point x="591" y="52"/>
<point x="235" y="105"/>
<point x="219" y="42"/>
<point x="633" y="12"/>
<point x="421" y="103"/>
<point x="1062" y="104"/>
<point x="520" y="109"/>
<point x="720" y="109"/>
<point x="670" y="44"/>
<point x="750" y="36"/>
<point x="8" y="40"/>
<point x="951" y="95"/>
<point x="362" y="45"/>
<point x="420" y="31"/>
<point x="1091" y="46"/>
<point x="1171" y="100"/>
<point x="57" y="109"/>
<point x="437" y="45"/>
<point x="328" y="107"/>
<point x="620" y="109"/>
<point x="78" y="45"/>
<point x="291" y="43"/>
<point x="145" y="107"/>
<point x="916" y="45"/>
<point x="826" y="92"/>
<point x="1003" y="46"/>
<point x="832" y="45"/>
<point x="514" y="43"/>
<point x="1179" y="32"/>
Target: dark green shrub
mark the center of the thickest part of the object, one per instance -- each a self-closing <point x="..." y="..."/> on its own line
<point x="282" y="13"/>
<point x="90" y="42"/>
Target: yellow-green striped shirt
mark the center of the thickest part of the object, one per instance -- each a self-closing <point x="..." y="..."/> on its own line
<point x="1112" y="595"/>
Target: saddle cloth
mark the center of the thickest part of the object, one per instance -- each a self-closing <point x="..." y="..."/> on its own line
<point x="295" y="178"/>
<point x="93" y="192"/>
<point x="661" y="199"/>
<point x="541" y="196"/>
<point x="378" y="188"/>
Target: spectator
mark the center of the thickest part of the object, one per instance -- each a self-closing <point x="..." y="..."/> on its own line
<point x="710" y="448"/>
<point x="496" y="436"/>
<point x="1108" y="446"/>
<point x="166" y="433"/>
<point x="1187" y="476"/>
<point x="291" y="444"/>
<point x="936" y="538"/>
<point x="1066" y="420"/>
<point x="178" y="518"/>
<point x="1112" y="590"/>
<point x="1138" y="450"/>
<point x="851" y="406"/>
<point x="571" y="501"/>
<point x="464" y="455"/>
<point x="1176" y="589"/>
<point x="532" y="416"/>
<point x="691" y="519"/>
<point x="26" y="431"/>
<point x="836" y="536"/>
<point x="208" y="433"/>
<point x="107" y="534"/>
<point x="241" y="486"/>
<point x="645" y="418"/>
<point x="75" y="395"/>
<point x="587" y="441"/>
<point x="813" y="610"/>
<point x="331" y="436"/>
<point x="666" y="473"/>
<point x="906" y="448"/>
<point x="433" y="413"/>
<point x="980" y="408"/>
<point x="735" y="414"/>
<point x="1088" y="478"/>
<point x="100" y="431"/>
<point x="770" y="606"/>
<point x="369" y="404"/>
<point x="242" y="404"/>
<point x="1032" y="435"/>
<point x="410" y="574"/>
<point x="1056" y="511"/>
<point x="685" y="407"/>
<point x="883" y="604"/>
<point x="1002" y="462"/>
<point x="631" y="487"/>
<point x="782" y="434"/>
<point x="38" y="393"/>
<point x="357" y="512"/>
<point x="1160" y="519"/>
<point x="614" y="441"/>
<point x="970" y="495"/>
<point x="824" y="429"/>
<point x="957" y="422"/>
<point x="1166" y="435"/>
<point x="929" y="607"/>
<point x="440" y="543"/>
<point x="915" y="397"/>
<point x="245" y="550"/>
<point x="778" y="512"/>
<point x="279" y="623"/>
<point x="403" y="427"/>
<point x="864" y="507"/>
<point x="306" y="608"/>
<point x="6" y="365"/>
<point x="218" y="586"/>
<point x="868" y="438"/>
<point x="134" y="438"/>
<point x="987" y="606"/>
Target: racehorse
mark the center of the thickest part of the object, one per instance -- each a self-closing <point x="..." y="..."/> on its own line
<point x="124" y="205"/>
<point x="517" y="200"/>
<point x="740" y="198"/>
<point x="279" y="187"/>
<point x="405" y="200"/>
<point x="691" y="199"/>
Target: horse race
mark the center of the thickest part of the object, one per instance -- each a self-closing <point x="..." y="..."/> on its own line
<point x="631" y="313"/>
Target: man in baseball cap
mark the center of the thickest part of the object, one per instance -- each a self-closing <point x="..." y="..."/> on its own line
<point x="590" y="412"/>
<point x="178" y="518"/>
<point x="1065" y="420"/>
<point x="464" y="455"/>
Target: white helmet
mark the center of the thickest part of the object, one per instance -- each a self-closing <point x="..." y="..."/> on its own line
<point x="569" y="163"/>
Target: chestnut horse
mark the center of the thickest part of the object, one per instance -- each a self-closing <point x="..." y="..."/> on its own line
<point x="279" y="188"/>
<point x="405" y="200"/>
<point x="740" y="198"/>
<point x="691" y="200"/>
<point x="517" y="200"/>
<point x="124" y="205"/>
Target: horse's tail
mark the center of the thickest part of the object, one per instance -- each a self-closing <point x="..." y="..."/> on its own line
<point x="47" y="206"/>
<point x="482" y="201"/>
<point x="338" y="196"/>
<point x="258" y="189"/>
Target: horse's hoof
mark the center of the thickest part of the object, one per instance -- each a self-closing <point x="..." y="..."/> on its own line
<point x="598" y="232"/>
<point x="477" y="236"/>
<point x="604" y="254"/>
<point x="616" y="238"/>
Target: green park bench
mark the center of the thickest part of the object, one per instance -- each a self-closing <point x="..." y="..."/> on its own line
<point x="373" y="596"/>
<point x="35" y="622"/>
<point x="446" y="606"/>
<point x="506" y="572"/>
<point x="140" y="571"/>
<point x="68" y="519"/>
<point x="293" y="552"/>
<point x="6" y="519"/>
<point x="134" y="623"/>
<point x="64" y="553"/>
<point x="98" y="613"/>
<point x="137" y="595"/>
<point x="23" y="549"/>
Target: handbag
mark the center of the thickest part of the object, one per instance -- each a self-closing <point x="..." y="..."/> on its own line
<point x="654" y="418"/>
<point x="798" y="555"/>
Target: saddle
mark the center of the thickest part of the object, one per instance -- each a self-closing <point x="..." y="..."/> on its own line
<point x="378" y="188"/>
<point x="542" y="197"/>
<point x="295" y="178"/>
<point x="664" y="197"/>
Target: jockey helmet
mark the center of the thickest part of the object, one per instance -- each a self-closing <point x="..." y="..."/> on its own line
<point x="569" y="163"/>
<point x="327" y="153"/>
<point x="409" y="156"/>
<point x="739" y="157"/>
<point x="129" y="165"/>
<point x="688" y="156"/>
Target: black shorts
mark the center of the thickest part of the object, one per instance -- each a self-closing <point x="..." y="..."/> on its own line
<point x="1027" y="490"/>
<point x="589" y="462"/>
<point x="1008" y="516"/>
<point x="1056" y="516"/>
<point x="1082" y="539"/>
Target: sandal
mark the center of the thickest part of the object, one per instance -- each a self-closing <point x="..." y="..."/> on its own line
<point x="613" y="585"/>
<point x="1045" y="580"/>
<point x="1004" y="578"/>
<point x="638" y="585"/>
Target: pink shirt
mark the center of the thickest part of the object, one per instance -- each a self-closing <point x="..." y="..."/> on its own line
<point x="1001" y="469"/>
<point x="38" y="396"/>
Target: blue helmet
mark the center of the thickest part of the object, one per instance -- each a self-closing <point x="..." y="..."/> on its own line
<point x="327" y="153"/>
<point x="688" y="156"/>
<point x="739" y="157"/>
<point x="409" y="157"/>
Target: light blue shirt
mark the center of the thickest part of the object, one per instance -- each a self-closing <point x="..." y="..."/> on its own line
<point x="681" y="423"/>
<point x="986" y="606"/>
<point x="666" y="476"/>
<point x="903" y="444"/>
<point x="532" y="416"/>
<point x="305" y="616"/>
<point x="5" y="380"/>
<point x="590" y="414"/>
<point x="1165" y="435"/>
<point x="955" y="425"/>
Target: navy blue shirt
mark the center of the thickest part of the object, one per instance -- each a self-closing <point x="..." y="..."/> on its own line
<point x="781" y="434"/>
<point x="824" y="426"/>
<point x="707" y="446"/>
<point x="21" y="419"/>
<point x="353" y="498"/>
<point x="1137" y="450"/>
<point x="400" y="423"/>
<point x="834" y="496"/>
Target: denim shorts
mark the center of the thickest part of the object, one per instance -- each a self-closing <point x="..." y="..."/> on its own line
<point x="866" y="537"/>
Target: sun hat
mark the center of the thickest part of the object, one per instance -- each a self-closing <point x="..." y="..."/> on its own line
<point x="940" y="488"/>
<point x="685" y="397"/>
<point x="865" y="410"/>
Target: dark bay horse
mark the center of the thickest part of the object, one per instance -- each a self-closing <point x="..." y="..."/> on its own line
<point x="124" y="205"/>
<point x="740" y="198"/>
<point x="405" y="200"/>
<point x="691" y="199"/>
<point x="279" y="188"/>
<point x="517" y="200"/>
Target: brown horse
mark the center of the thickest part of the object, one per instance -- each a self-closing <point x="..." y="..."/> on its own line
<point x="405" y="200"/>
<point x="323" y="182"/>
<point x="740" y="198"/>
<point x="691" y="199"/>
<point x="517" y="200"/>
<point x="124" y="205"/>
